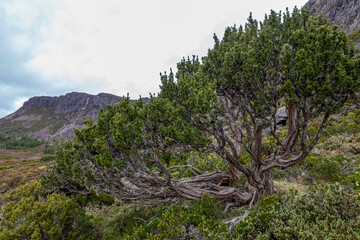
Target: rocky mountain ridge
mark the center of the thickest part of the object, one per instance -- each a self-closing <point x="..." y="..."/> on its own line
<point x="69" y="102"/>
<point x="344" y="13"/>
<point x="55" y="117"/>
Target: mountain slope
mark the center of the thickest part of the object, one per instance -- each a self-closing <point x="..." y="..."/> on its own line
<point x="344" y="13"/>
<point x="54" y="117"/>
<point x="341" y="12"/>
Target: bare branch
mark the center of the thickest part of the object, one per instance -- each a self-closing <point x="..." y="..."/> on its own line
<point x="320" y="130"/>
<point x="191" y="168"/>
<point x="212" y="164"/>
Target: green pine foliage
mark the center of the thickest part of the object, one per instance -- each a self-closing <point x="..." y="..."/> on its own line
<point x="355" y="37"/>
<point x="291" y="59"/>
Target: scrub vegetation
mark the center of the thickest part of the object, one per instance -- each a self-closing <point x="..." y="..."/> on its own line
<point x="205" y="158"/>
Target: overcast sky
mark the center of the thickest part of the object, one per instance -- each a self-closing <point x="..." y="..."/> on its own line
<point x="52" y="47"/>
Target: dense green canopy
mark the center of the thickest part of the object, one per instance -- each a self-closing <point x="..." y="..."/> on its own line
<point x="219" y="106"/>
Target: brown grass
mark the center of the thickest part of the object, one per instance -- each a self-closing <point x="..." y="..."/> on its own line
<point x="287" y="186"/>
<point x="19" y="166"/>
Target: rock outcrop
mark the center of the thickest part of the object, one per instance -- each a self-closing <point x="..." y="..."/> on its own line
<point x="344" y="13"/>
<point x="71" y="102"/>
<point x="281" y="118"/>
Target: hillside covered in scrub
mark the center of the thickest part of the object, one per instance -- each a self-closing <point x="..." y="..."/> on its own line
<point x="207" y="158"/>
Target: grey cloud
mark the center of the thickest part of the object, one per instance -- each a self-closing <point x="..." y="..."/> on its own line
<point x="16" y="81"/>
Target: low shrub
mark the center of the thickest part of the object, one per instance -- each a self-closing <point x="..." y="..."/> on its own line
<point x="329" y="169"/>
<point x="349" y="124"/>
<point x="191" y="220"/>
<point x="127" y="220"/>
<point x="101" y="199"/>
<point x="23" y="143"/>
<point x="335" y="159"/>
<point x="47" y="158"/>
<point x="49" y="149"/>
<point x="30" y="214"/>
<point x="326" y="211"/>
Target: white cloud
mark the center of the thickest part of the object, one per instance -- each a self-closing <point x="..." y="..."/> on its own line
<point x="120" y="46"/>
<point x="21" y="43"/>
<point x="23" y="14"/>
<point x="19" y="14"/>
<point x="19" y="102"/>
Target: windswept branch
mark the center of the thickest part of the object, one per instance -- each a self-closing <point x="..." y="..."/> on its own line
<point x="191" y="168"/>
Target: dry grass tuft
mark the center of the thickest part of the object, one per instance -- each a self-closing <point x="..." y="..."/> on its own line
<point x="20" y="166"/>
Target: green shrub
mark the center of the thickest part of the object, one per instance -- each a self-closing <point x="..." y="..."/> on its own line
<point x="101" y="199"/>
<point x="349" y="124"/>
<point x="355" y="180"/>
<point x="127" y="220"/>
<point x="335" y="159"/>
<point x="355" y="36"/>
<point x="200" y="220"/>
<point x="326" y="168"/>
<point x="30" y="214"/>
<point x="49" y="149"/>
<point x="325" y="211"/>
<point x="318" y="168"/>
<point x="47" y="158"/>
<point x="191" y="220"/>
<point x="259" y="220"/>
<point x="2" y="138"/>
<point x="23" y="143"/>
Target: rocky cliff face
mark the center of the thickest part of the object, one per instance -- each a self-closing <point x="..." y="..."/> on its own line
<point x="55" y="117"/>
<point x="71" y="102"/>
<point x="341" y="12"/>
<point x="344" y="13"/>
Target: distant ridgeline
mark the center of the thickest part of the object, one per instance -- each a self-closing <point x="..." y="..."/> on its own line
<point x="55" y="117"/>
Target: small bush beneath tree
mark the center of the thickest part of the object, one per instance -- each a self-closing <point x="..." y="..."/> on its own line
<point x="29" y="214"/>
<point x="326" y="211"/>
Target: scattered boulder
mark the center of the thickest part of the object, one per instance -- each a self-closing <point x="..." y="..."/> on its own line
<point x="281" y="118"/>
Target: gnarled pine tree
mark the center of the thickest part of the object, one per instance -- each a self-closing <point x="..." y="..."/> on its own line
<point x="220" y="105"/>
